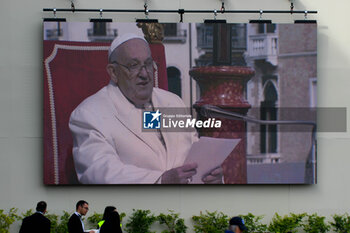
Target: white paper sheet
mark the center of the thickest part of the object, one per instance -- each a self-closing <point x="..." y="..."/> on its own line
<point x="209" y="153"/>
<point x="95" y="230"/>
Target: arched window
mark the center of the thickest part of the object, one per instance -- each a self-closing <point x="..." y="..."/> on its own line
<point x="174" y="80"/>
<point x="268" y="111"/>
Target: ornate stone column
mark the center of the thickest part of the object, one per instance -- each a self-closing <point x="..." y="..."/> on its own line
<point x="224" y="87"/>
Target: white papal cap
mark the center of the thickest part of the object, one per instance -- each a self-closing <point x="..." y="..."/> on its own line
<point x="122" y="39"/>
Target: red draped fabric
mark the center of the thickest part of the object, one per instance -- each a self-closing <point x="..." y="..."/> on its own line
<point x="72" y="72"/>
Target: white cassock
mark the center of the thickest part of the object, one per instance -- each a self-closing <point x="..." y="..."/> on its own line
<point x="109" y="146"/>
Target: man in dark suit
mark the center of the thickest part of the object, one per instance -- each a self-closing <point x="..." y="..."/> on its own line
<point x="75" y="223"/>
<point x="37" y="222"/>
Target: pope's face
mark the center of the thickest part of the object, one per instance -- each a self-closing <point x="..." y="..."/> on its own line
<point x="134" y="71"/>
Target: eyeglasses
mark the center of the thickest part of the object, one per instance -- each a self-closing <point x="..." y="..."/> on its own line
<point x="84" y="207"/>
<point x="136" y="68"/>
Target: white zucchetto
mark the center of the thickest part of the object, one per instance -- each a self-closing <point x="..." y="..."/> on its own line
<point x="122" y="39"/>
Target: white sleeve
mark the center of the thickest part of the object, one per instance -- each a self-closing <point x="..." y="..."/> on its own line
<point x="95" y="157"/>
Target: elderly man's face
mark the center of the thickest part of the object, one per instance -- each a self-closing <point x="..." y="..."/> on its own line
<point x="134" y="71"/>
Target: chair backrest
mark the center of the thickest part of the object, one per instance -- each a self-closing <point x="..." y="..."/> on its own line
<point x="72" y="72"/>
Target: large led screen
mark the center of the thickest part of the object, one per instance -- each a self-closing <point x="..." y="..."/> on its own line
<point x="179" y="103"/>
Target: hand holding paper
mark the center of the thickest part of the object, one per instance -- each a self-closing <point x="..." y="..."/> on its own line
<point x="209" y="153"/>
<point x="214" y="177"/>
<point x="179" y="175"/>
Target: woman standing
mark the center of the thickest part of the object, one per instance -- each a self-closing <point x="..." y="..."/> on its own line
<point x="112" y="223"/>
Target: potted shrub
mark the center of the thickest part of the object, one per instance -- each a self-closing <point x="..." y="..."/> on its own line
<point x="286" y="223"/>
<point x="315" y="224"/>
<point x="173" y="223"/>
<point x="26" y="214"/>
<point x="94" y="219"/>
<point x="140" y="221"/>
<point x="341" y="223"/>
<point x="253" y="223"/>
<point x="54" y="221"/>
<point x="6" y="220"/>
<point x="211" y="222"/>
<point x="62" y="227"/>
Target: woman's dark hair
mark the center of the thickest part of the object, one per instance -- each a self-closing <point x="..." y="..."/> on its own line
<point x="112" y="223"/>
<point x="108" y="210"/>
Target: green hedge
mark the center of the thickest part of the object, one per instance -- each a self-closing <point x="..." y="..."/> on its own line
<point x="142" y="221"/>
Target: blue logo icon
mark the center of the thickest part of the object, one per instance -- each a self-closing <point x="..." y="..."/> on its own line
<point x="151" y="120"/>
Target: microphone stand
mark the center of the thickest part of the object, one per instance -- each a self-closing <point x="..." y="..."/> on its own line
<point x="211" y="111"/>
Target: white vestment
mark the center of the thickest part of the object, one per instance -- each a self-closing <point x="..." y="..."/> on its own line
<point x="109" y="146"/>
